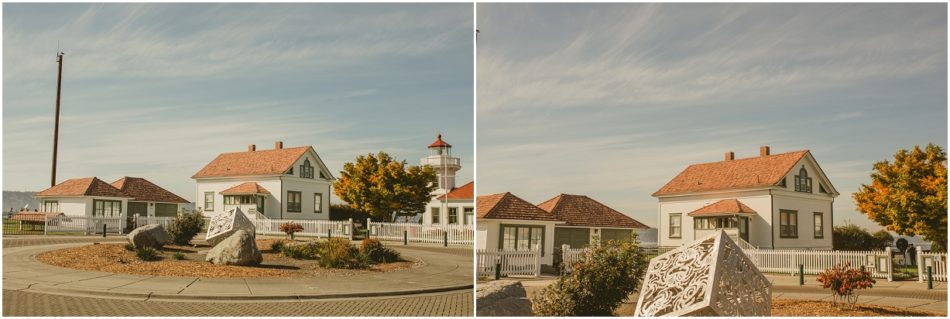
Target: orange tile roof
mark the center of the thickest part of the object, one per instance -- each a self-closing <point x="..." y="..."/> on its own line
<point x="723" y="207"/>
<point x="89" y="186"/>
<point x="264" y="162"/>
<point x="143" y="190"/>
<point x="508" y="206"/>
<point x="439" y="142"/>
<point x="579" y="210"/>
<point x="760" y="171"/>
<point x="246" y="188"/>
<point x="464" y="192"/>
<point x="35" y="216"/>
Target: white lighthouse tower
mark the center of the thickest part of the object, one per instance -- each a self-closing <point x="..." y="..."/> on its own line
<point x="440" y="158"/>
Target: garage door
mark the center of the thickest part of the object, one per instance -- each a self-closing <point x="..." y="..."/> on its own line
<point x="615" y="234"/>
<point x="138" y="208"/>
<point x="576" y="237"/>
<point x="166" y="210"/>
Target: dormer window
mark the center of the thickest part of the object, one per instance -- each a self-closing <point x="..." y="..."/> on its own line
<point x="802" y="181"/>
<point x="306" y="170"/>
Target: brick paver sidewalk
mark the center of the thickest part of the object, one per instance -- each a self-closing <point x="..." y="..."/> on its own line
<point x="456" y="304"/>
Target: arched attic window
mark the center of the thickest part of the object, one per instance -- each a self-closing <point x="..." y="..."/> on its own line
<point x="306" y="170"/>
<point x="802" y="181"/>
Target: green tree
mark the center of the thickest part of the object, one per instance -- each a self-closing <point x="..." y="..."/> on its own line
<point x="380" y="185"/>
<point x="882" y="238"/>
<point x="852" y="237"/>
<point x="909" y="196"/>
<point x="597" y="284"/>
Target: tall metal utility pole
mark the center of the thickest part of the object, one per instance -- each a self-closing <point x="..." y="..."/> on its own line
<point x="59" y="86"/>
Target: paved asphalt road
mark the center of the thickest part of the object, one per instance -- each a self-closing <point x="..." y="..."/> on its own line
<point x="20" y="303"/>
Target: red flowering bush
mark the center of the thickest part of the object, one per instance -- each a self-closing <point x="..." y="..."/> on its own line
<point x="290" y="228"/>
<point x="843" y="281"/>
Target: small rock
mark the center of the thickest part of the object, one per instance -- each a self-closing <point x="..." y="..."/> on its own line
<point x="502" y="298"/>
<point x="237" y="249"/>
<point x="151" y="235"/>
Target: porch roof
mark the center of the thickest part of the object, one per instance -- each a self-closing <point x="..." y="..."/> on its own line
<point x="723" y="207"/>
<point x="247" y="188"/>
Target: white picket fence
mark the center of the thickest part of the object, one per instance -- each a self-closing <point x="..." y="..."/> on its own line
<point x="164" y="221"/>
<point x="937" y="263"/>
<point x="570" y="255"/>
<point x="83" y="224"/>
<point x="311" y="228"/>
<point x="815" y="261"/>
<point x="513" y="263"/>
<point x="419" y="233"/>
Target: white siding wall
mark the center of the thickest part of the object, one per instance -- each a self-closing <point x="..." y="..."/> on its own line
<point x="272" y="205"/>
<point x="806" y="207"/>
<point x="444" y="212"/>
<point x="71" y="206"/>
<point x="307" y="188"/>
<point x="759" y="201"/>
<point x="488" y="234"/>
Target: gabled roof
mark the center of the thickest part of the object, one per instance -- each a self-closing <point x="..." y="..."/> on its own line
<point x="753" y="172"/>
<point x="723" y="207"/>
<point x="89" y="186"/>
<point x="253" y="163"/>
<point x="579" y="210"/>
<point x="247" y="188"/>
<point x="508" y="206"/>
<point x="465" y="192"/>
<point x="145" y="191"/>
<point x="439" y="142"/>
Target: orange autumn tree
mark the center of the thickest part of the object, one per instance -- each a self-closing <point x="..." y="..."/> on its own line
<point x="380" y="185"/>
<point x="909" y="195"/>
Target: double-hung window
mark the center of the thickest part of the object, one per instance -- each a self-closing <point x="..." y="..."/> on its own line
<point x="819" y="225"/>
<point x="293" y="202"/>
<point x="788" y="223"/>
<point x="106" y="208"/>
<point x="435" y="215"/>
<point x="317" y="203"/>
<point x="209" y="201"/>
<point x="676" y="225"/>
<point x="453" y="215"/>
<point x="51" y="206"/>
<point x="522" y="237"/>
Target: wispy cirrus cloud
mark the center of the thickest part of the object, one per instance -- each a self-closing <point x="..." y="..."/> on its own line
<point x="613" y="100"/>
<point x="158" y="90"/>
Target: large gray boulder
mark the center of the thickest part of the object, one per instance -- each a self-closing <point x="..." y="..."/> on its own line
<point x="502" y="298"/>
<point x="151" y="235"/>
<point x="224" y="224"/>
<point x="238" y="249"/>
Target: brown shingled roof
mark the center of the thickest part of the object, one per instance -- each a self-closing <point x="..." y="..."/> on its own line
<point x="246" y="188"/>
<point x="143" y="190"/>
<point x="264" y="162"/>
<point x="579" y="210"/>
<point x="89" y="186"/>
<point x="508" y="206"/>
<point x="723" y="207"/>
<point x="464" y="192"/>
<point x="760" y="171"/>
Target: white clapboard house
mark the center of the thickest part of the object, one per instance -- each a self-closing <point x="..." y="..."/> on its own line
<point x="774" y="201"/>
<point x="92" y="197"/>
<point x="279" y="183"/>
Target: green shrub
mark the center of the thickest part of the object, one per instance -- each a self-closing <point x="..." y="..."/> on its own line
<point x="147" y="253"/>
<point x="130" y="247"/>
<point x="597" y="284"/>
<point x="185" y="227"/>
<point x="300" y="251"/>
<point x="277" y="245"/>
<point x="178" y="255"/>
<point x="375" y="252"/>
<point x="338" y="253"/>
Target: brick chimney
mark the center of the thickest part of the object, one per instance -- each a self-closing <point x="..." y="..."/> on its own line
<point x="764" y="151"/>
<point x="279" y="145"/>
<point x="730" y="156"/>
<point x="251" y="148"/>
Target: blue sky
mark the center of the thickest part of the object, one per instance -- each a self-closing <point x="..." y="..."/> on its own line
<point x="159" y="90"/>
<point x="613" y="100"/>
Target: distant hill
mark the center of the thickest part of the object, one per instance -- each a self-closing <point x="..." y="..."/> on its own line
<point x="16" y="200"/>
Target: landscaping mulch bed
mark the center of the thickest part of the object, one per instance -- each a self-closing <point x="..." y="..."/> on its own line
<point x="810" y="308"/>
<point x="115" y="258"/>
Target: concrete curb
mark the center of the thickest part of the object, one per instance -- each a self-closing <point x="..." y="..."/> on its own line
<point x="225" y="298"/>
